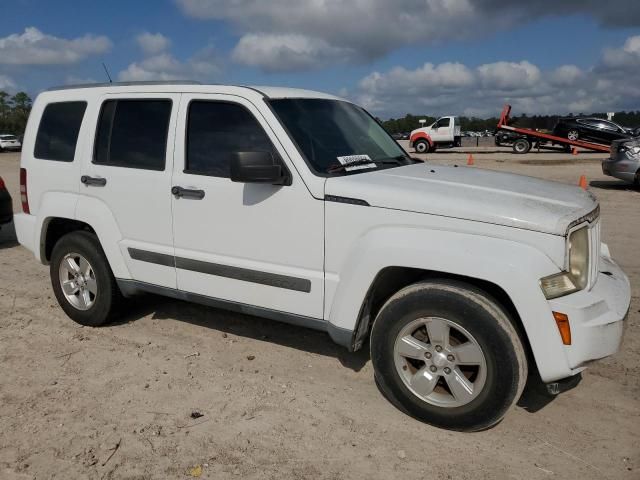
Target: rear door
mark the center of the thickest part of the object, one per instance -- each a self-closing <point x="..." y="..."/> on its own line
<point x="130" y="173"/>
<point x="246" y="243"/>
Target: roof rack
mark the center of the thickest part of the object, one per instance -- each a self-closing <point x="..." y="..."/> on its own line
<point x="124" y="84"/>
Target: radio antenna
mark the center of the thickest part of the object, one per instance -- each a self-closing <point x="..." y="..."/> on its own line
<point x="107" y="72"/>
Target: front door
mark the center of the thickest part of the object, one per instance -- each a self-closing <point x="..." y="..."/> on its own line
<point x="251" y="244"/>
<point x="442" y="131"/>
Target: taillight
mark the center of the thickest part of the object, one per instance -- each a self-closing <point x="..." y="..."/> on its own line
<point x="2" y="185"/>
<point x="23" y="190"/>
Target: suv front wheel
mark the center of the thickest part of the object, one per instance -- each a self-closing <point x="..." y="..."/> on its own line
<point x="82" y="279"/>
<point x="447" y="354"/>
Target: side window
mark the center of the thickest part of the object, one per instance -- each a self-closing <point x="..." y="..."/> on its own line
<point x="443" y="122"/>
<point x="215" y="130"/>
<point x="58" y="131"/>
<point x="133" y="133"/>
<point x="609" y="126"/>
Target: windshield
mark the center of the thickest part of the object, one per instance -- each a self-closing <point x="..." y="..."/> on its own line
<point x="330" y="133"/>
<point x="8" y="137"/>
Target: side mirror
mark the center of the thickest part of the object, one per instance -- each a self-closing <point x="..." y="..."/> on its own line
<point x="257" y="167"/>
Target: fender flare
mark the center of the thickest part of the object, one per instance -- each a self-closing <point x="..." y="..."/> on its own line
<point x="419" y="135"/>
<point x="515" y="267"/>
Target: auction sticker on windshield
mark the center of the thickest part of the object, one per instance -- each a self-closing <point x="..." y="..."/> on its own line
<point x="356" y="162"/>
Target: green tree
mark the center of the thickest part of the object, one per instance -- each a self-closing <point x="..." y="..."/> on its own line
<point x="4" y="105"/>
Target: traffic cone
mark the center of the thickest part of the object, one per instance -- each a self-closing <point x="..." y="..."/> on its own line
<point x="470" y="159"/>
<point x="583" y="182"/>
<point x="574" y="151"/>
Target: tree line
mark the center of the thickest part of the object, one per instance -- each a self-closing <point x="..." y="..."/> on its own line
<point x="541" y="122"/>
<point x="14" y="112"/>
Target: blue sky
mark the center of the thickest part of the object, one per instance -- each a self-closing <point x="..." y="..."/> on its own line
<point x="394" y="57"/>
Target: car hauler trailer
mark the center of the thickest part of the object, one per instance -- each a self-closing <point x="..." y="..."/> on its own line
<point x="530" y="137"/>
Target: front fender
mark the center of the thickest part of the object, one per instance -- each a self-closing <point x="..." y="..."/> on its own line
<point x="417" y="136"/>
<point x="513" y="266"/>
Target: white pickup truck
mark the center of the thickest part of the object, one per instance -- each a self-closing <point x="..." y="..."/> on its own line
<point x="444" y="132"/>
<point x="297" y="206"/>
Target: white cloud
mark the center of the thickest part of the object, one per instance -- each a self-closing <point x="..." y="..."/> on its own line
<point x="152" y="43"/>
<point x="454" y="88"/>
<point x="32" y="47"/>
<point x="362" y="30"/>
<point x="508" y="75"/>
<point x="275" y="52"/>
<point x="566" y="75"/>
<point x="204" y="65"/>
<point x="6" y="83"/>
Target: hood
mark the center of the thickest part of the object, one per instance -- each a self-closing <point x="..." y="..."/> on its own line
<point x="471" y="194"/>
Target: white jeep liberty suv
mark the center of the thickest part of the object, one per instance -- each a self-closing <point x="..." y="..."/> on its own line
<point x="297" y="206"/>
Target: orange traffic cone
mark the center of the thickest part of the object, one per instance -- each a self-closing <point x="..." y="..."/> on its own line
<point x="470" y="159"/>
<point x="574" y="151"/>
<point x="583" y="182"/>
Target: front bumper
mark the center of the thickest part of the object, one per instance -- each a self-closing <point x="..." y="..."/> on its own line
<point x="596" y="317"/>
<point x="11" y="148"/>
<point x="624" y="168"/>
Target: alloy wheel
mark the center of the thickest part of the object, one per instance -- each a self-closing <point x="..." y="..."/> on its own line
<point x="78" y="281"/>
<point x="440" y="362"/>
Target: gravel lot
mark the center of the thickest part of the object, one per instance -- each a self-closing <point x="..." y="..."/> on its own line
<point x="280" y="401"/>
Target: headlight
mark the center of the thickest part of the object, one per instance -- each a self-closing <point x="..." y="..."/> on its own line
<point x="633" y="150"/>
<point x="576" y="277"/>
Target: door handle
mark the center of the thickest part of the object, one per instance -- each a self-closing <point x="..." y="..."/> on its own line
<point x="187" y="193"/>
<point x="95" y="181"/>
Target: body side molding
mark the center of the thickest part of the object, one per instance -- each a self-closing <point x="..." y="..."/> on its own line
<point x="237" y="273"/>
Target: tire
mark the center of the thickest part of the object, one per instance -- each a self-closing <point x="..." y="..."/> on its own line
<point x="636" y="179"/>
<point x="573" y="134"/>
<point x="521" y="146"/>
<point x="475" y="323"/>
<point x="422" y="146"/>
<point x="92" y="295"/>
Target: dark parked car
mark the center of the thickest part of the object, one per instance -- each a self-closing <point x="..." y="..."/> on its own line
<point x="596" y="130"/>
<point x="6" y="206"/>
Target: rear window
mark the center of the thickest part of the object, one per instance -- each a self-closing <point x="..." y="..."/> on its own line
<point x="8" y="137"/>
<point x="58" y="131"/>
<point x="133" y="133"/>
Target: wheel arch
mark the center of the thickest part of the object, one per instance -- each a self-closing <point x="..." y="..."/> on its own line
<point x="391" y="279"/>
<point x="507" y="270"/>
<point x="53" y="229"/>
<point x="420" y="136"/>
<point x="90" y="215"/>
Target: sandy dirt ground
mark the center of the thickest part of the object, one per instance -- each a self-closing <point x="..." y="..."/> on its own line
<point x="279" y="401"/>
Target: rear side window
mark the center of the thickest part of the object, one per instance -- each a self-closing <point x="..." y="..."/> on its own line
<point x="58" y="131"/>
<point x="133" y="134"/>
<point x="215" y="131"/>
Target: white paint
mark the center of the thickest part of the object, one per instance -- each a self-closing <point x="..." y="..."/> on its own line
<point x="501" y="228"/>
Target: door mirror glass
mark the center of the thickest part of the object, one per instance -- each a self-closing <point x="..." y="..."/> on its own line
<point x="257" y="167"/>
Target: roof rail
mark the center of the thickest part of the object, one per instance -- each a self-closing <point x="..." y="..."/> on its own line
<point x="123" y="84"/>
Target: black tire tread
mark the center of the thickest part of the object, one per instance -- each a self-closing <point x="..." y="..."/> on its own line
<point x="503" y="322"/>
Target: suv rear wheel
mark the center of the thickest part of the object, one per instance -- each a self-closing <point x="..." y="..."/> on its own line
<point x="447" y="354"/>
<point x="82" y="279"/>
